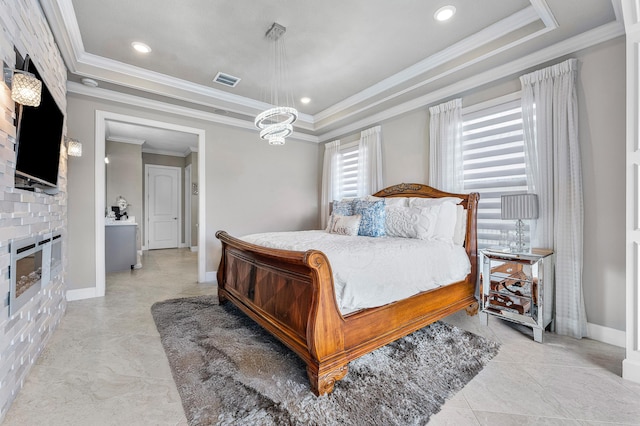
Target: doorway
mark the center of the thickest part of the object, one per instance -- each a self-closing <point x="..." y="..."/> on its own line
<point x="100" y="132"/>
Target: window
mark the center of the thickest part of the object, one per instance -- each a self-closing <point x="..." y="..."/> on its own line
<point x="494" y="165"/>
<point x="348" y="171"/>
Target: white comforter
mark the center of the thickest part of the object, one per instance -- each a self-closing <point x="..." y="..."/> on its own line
<point x="370" y="272"/>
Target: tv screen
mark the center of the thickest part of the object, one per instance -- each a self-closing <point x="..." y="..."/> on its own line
<point x="39" y="137"/>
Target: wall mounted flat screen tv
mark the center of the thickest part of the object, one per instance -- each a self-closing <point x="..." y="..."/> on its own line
<point x="38" y="139"/>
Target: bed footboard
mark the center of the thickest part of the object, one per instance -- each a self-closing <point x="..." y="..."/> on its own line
<point x="291" y="295"/>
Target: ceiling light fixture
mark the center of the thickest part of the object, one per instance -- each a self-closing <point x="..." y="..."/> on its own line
<point x="444" y="13"/>
<point x="89" y="82"/>
<point x="305" y="100"/>
<point x="275" y="124"/>
<point x="141" y="47"/>
<point x="26" y="89"/>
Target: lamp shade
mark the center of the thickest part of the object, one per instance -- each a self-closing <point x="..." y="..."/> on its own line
<point x="26" y="89"/>
<point x="519" y="206"/>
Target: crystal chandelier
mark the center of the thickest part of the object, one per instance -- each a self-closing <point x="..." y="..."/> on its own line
<point x="276" y="123"/>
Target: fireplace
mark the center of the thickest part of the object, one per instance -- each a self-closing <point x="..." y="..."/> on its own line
<point x="34" y="261"/>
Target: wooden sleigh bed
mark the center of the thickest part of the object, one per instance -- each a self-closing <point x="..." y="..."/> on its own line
<point x="291" y="294"/>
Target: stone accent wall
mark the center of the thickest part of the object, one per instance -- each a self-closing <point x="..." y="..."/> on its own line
<point x="25" y="214"/>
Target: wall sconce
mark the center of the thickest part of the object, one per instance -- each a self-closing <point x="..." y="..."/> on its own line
<point x="25" y="87"/>
<point x="74" y="148"/>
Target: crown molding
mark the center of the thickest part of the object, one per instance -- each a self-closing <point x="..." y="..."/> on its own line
<point x="165" y="152"/>
<point x="123" y="98"/>
<point x="64" y="25"/>
<point x="630" y="9"/>
<point x="437" y="77"/>
<point x="62" y="18"/>
<point x="582" y="41"/>
<point x="587" y="39"/>
<point x="544" y="12"/>
<point x="487" y="35"/>
<point x="121" y="139"/>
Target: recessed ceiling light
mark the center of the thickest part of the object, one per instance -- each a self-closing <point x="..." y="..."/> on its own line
<point x="444" y="13"/>
<point x="305" y="100"/>
<point x="141" y="47"/>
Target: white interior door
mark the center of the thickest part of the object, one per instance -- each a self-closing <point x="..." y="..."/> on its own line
<point x="163" y="206"/>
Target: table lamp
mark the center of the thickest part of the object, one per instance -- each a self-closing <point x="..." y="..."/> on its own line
<point x="519" y="207"/>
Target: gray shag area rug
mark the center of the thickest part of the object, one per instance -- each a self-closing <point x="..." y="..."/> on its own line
<point x="228" y="370"/>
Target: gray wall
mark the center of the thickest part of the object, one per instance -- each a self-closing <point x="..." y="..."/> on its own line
<point x="601" y="98"/>
<point x="123" y="177"/>
<point x="250" y="186"/>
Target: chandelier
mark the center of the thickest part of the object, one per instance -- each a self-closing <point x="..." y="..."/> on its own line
<point x="276" y="123"/>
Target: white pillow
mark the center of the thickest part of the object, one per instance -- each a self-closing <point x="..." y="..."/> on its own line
<point x="411" y="222"/>
<point x="427" y="202"/>
<point x="345" y="225"/>
<point x="446" y="223"/>
<point x="460" y="233"/>
<point x="396" y="201"/>
<point x="390" y="201"/>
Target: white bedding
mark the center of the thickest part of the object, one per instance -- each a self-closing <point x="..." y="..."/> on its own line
<point x="370" y="272"/>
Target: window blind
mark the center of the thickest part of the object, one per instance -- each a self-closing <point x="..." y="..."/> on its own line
<point x="494" y="165"/>
<point x="348" y="170"/>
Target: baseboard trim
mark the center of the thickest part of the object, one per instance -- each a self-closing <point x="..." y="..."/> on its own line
<point x="194" y="249"/>
<point x="631" y="370"/>
<point x="607" y="335"/>
<point x="210" y="276"/>
<point x="81" y="293"/>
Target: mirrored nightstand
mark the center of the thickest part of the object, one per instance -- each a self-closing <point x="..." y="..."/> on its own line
<point x="519" y="287"/>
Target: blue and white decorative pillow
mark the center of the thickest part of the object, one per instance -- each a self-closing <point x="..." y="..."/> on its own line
<point x="373" y="217"/>
<point x="343" y="207"/>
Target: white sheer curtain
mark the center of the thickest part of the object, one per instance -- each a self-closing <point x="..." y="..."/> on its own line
<point x="552" y="152"/>
<point x="445" y="145"/>
<point x="369" y="162"/>
<point x="330" y="179"/>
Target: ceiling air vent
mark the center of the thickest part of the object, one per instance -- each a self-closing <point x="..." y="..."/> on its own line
<point x="226" y="79"/>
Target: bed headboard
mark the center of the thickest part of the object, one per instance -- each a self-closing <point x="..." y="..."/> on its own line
<point x="470" y="202"/>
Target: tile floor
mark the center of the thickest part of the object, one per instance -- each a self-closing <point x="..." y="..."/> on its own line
<point x="105" y="366"/>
